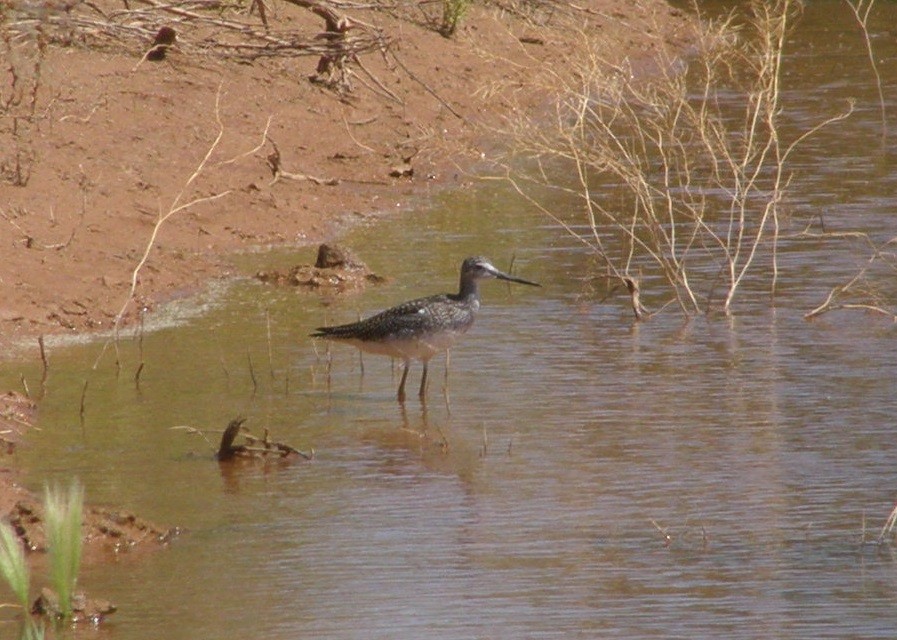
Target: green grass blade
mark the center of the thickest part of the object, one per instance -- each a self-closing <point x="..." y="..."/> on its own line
<point x="12" y="564"/>
<point x="62" y="517"/>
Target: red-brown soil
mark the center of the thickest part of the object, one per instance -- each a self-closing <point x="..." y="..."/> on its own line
<point x="114" y="142"/>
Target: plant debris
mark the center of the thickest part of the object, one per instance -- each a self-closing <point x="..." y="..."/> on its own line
<point x="254" y="447"/>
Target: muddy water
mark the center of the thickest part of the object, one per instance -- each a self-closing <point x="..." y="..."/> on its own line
<point x="527" y="499"/>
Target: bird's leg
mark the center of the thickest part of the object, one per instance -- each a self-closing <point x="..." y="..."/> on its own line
<point x="423" y="382"/>
<point x="445" y="383"/>
<point x="402" y="383"/>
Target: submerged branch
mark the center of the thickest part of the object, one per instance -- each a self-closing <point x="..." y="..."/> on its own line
<point x="254" y="447"/>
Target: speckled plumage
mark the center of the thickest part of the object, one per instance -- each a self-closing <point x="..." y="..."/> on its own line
<point x="421" y="328"/>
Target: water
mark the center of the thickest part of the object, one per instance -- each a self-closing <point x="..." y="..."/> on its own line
<point x="576" y="440"/>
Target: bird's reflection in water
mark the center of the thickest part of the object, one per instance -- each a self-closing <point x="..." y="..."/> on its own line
<point x="428" y="436"/>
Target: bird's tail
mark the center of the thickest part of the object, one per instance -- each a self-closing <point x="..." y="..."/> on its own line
<point x="341" y="331"/>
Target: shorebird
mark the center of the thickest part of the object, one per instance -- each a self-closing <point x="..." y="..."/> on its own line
<point x="420" y="329"/>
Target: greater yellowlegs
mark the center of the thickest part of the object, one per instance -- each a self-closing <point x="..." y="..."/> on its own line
<point x="420" y="329"/>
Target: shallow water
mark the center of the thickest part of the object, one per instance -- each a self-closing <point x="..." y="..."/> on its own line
<point x="758" y="444"/>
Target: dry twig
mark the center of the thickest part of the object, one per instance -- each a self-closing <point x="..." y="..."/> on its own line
<point x="274" y="163"/>
<point x="861" y="10"/>
<point x="860" y="292"/>
<point x="177" y="206"/>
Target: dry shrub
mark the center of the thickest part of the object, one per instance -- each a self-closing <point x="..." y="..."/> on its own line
<point x="680" y="171"/>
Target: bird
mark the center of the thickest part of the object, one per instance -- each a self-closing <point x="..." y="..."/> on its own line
<point x="422" y="328"/>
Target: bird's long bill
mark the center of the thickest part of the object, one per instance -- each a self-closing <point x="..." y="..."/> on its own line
<point x="504" y="276"/>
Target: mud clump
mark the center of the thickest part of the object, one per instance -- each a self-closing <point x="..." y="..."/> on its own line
<point x="84" y="609"/>
<point x="336" y="270"/>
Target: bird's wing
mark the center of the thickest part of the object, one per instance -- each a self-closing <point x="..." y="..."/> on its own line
<point x="405" y="320"/>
